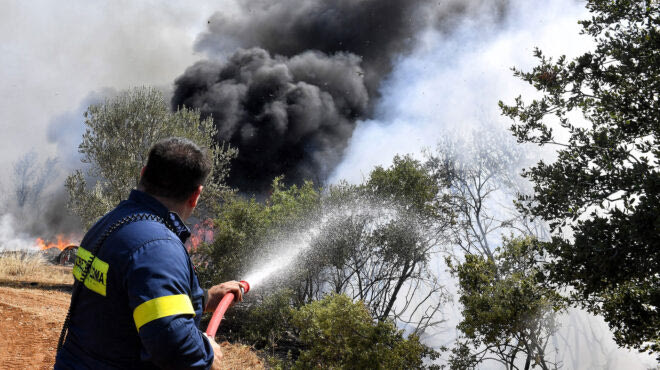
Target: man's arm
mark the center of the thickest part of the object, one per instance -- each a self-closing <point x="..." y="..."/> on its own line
<point x="158" y="282"/>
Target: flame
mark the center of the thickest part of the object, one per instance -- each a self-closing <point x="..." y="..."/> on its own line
<point x="61" y="243"/>
<point x="201" y="233"/>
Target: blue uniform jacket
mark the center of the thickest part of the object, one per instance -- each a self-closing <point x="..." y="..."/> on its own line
<point x="141" y="303"/>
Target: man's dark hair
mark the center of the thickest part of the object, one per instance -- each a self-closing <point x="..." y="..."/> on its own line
<point x="175" y="168"/>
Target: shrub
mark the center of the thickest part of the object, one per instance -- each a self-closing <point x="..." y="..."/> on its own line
<point x="338" y="333"/>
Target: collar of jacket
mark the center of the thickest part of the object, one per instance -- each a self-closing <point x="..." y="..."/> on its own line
<point x="181" y="230"/>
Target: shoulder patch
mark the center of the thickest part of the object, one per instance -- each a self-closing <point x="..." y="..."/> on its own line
<point x="97" y="278"/>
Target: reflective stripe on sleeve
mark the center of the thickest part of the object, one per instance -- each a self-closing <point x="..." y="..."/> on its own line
<point x="162" y="307"/>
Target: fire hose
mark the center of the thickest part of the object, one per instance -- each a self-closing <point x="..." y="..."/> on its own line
<point x="222" y="307"/>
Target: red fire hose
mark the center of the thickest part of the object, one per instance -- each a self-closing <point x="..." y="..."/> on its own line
<point x="222" y="307"/>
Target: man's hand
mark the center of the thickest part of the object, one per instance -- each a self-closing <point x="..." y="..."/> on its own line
<point x="217" y="358"/>
<point x="218" y="291"/>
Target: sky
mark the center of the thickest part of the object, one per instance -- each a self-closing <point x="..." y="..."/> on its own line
<point x="58" y="57"/>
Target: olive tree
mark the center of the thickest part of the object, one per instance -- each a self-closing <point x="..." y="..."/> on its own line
<point x="375" y="244"/>
<point x="117" y="138"/>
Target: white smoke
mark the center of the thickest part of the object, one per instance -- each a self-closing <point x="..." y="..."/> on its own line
<point x="57" y="58"/>
<point x="53" y="54"/>
<point x="10" y="240"/>
<point x="451" y="84"/>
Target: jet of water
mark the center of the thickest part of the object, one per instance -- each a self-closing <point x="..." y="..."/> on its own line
<point x="283" y="252"/>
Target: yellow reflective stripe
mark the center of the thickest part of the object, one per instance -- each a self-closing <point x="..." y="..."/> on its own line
<point x="161" y="307"/>
<point x="83" y="257"/>
<point x="97" y="278"/>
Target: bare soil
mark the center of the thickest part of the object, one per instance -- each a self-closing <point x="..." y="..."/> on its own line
<point x="31" y="316"/>
<point x="30" y="323"/>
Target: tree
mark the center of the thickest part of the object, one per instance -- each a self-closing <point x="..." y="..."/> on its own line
<point x="478" y="174"/>
<point x="339" y="334"/>
<point x="508" y="314"/>
<point x="372" y="242"/>
<point x="378" y="240"/>
<point x="604" y="186"/>
<point x="249" y="233"/>
<point x="30" y="179"/>
<point x="376" y="252"/>
<point x="481" y="177"/>
<point x="115" y="146"/>
<point x="245" y="227"/>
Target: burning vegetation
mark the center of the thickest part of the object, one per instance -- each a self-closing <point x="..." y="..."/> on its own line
<point x="61" y="242"/>
<point x="200" y="233"/>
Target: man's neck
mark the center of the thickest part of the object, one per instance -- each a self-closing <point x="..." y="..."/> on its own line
<point x="171" y="205"/>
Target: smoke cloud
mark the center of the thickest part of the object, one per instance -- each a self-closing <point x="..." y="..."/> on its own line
<point x="304" y="73"/>
<point x="289" y="116"/>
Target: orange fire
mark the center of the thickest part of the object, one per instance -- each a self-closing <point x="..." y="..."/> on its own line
<point x="201" y="233"/>
<point x="61" y="243"/>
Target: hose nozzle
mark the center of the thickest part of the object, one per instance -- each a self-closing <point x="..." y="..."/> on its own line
<point x="245" y="286"/>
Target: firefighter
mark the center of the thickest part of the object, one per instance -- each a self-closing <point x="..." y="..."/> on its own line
<point x="137" y="303"/>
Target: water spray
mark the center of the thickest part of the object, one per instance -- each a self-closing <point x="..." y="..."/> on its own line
<point x="222" y="307"/>
<point x="286" y="251"/>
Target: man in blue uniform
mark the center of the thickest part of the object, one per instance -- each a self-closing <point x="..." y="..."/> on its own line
<point x="140" y="303"/>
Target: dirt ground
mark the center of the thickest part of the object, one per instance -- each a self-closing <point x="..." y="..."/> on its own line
<point x="30" y="323"/>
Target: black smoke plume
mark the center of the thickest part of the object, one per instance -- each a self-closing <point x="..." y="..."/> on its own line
<point x="304" y="73"/>
<point x="290" y="116"/>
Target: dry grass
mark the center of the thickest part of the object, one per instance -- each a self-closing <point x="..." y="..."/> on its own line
<point x="23" y="266"/>
<point x="239" y="356"/>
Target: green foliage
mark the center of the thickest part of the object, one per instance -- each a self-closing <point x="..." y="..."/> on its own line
<point x="367" y="241"/>
<point x="245" y="226"/>
<point x="116" y="142"/>
<point x="605" y="183"/>
<point x="377" y="240"/>
<point x="339" y="334"/>
<point x="265" y="322"/>
<point x="507" y="311"/>
<point x="406" y="182"/>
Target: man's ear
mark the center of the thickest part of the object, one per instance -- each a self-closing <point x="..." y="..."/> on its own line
<point x="194" y="197"/>
<point x="142" y="171"/>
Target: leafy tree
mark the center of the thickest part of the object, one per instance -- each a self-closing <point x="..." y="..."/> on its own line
<point x="508" y="314"/>
<point x="407" y="183"/>
<point x="604" y="185"/>
<point x="339" y="334"/>
<point x="244" y="227"/>
<point x="244" y="231"/>
<point x="268" y="324"/>
<point x="370" y="242"/>
<point x="377" y="254"/>
<point x="115" y="146"/>
<point x="479" y="172"/>
<point x="377" y="242"/>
